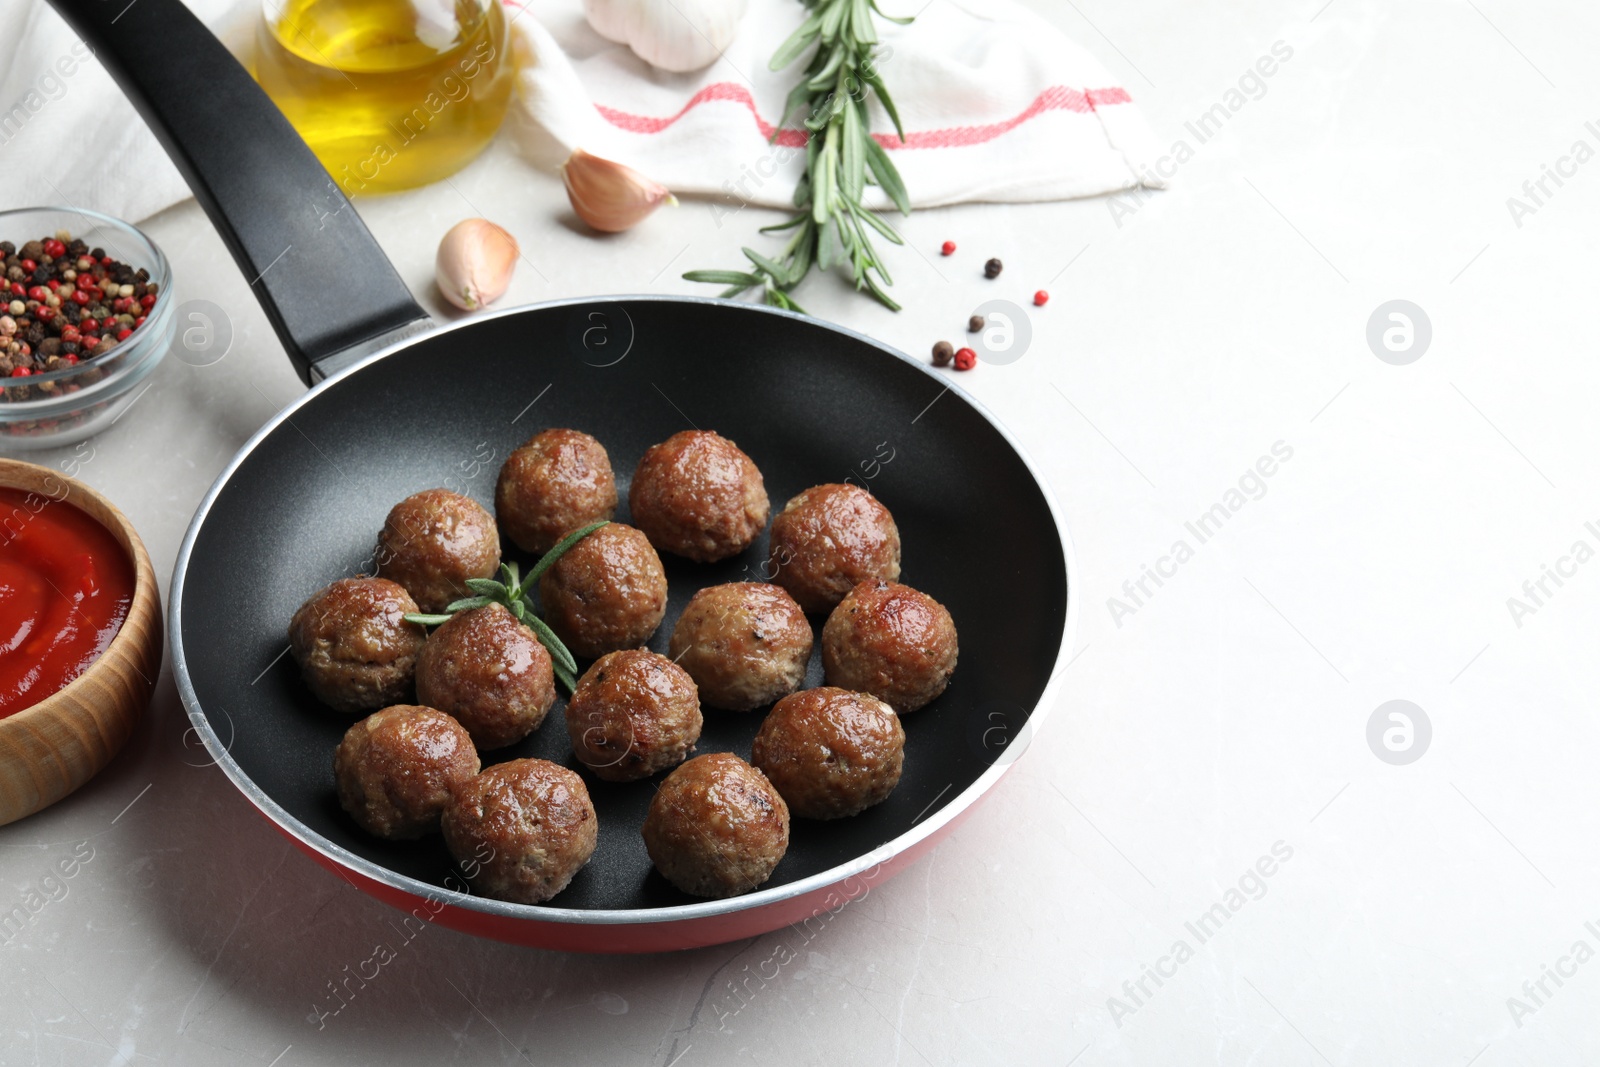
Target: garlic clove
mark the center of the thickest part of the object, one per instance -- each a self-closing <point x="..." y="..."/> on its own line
<point x="671" y="35"/>
<point x="609" y="196"/>
<point x="475" y="262"/>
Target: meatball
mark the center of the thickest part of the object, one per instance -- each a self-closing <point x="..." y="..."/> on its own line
<point x="433" y="541"/>
<point x="558" y="481"/>
<point x="830" y="538"/>
<point x="695" y="494"/>
<point x="633" y="713"/>
<point x="355" y="649"/>
<point x="831" y="752"/>
<point x="490" y="672"/>
<point x="745" y="644"/>
<point x="606" y="592"/>
<point x="521" y="829"/>
<point x="716" y="827"/>
<point x="891" y="641"/>
<point x="395" y="769"/>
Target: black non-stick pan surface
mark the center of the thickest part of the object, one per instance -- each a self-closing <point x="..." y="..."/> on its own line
<point x="808" y="402"/>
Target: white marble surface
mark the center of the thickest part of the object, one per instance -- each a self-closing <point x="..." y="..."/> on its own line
<point x="1227" y="714"/>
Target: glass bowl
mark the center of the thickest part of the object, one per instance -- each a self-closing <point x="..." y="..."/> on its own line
<point x="60" y="407"/>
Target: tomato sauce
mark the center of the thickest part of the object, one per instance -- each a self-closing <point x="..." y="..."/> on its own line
<point x="65" y="589"/>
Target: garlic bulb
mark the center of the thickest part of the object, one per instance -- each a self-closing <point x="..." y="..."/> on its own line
<point x="675" y="35"/>
<point x="475" y="262"/>
<point x="609" y="196"/>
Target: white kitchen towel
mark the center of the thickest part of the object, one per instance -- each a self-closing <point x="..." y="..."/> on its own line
<point x="996" y="103"/>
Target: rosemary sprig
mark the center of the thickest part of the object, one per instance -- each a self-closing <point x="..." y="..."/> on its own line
<point x="516" y="594"/>
<point x="842" y="158"/>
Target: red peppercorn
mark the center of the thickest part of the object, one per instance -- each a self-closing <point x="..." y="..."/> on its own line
<point x="147" y="301"/>
<point x="18" y="289"/>
<point x="70" y="335"/>
<point x="29" y="265"/>
<point x="138" y="322"/>
<point x="947" y="248"/>
<point x="1041" y="298"/>
<point x="54" y="284"/>
<point x="122" y="334"/>
<point x="106" y="261"/>
<point x="20" y="372"/>
<point x="54" y="248"/>
<point x="88" y="325"/>
<point x="121" y="304"/>
<point x="70" y="360"/>
<point x="38" y="293"/>
<point x="44" y="312"/>
<point x="79" y="296"/>
<point x="966" y="359"/>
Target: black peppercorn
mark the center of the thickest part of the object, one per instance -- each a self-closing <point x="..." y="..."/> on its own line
<point x="993" y="268"/>
<point x="943" y="353"/>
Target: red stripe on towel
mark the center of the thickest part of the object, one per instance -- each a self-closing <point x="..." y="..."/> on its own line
<point x="1056" y="98"/>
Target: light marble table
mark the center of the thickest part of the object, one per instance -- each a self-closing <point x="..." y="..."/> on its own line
<point x="1219" y="718"/>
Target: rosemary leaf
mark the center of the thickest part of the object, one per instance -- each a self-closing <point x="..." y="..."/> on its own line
<point x="798" y="42"/>
<point x="723" y="277"/>
<point x="426" y="620"/>
<point x="567" y="678"/>
<point x="548" y="560"/>
<point x="489" y="587"/>
<point x="779" y="274"/>
<point x="560" y="655"/>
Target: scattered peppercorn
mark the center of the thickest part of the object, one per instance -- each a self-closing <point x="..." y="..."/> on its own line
<point x="993" y="268"/>
<point x="943" y="352"/>
<point x="975" y="324"/>
<point x="966" y="359"/>
<point x="1041" y="298"/>
<point x="65" y="305"/>
<point x="948" y="248"/>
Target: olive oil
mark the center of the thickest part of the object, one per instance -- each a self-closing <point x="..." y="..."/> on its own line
<point x="389" y="94"/>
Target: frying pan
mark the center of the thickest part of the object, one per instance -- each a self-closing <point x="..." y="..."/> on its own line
<point x="399" y="405"/>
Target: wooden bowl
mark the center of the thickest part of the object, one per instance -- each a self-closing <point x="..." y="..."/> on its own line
<point x="52" y="748"/>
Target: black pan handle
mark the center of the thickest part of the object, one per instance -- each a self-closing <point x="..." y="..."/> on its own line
<point x="330" y="292"/>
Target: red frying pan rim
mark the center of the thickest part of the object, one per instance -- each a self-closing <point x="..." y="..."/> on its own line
<point x="603" y="917"/>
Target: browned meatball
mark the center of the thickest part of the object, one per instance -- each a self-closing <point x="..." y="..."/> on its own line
<point x="606" y="592"/>
<point x="831" y="752"/>
<point x="634" y="713"/>
<point x="828" y="539"/>
<point x="558" y="481"/>
<point x="716" y="827"/>
<point x="395" y="769"/>
<point x="521" y="829"/>
<point x="433" y="541"/>
<point x="891" y="641"/>
<point x="745" y="644"/>
<point x="490" y="672"/>
<point x="355" y="649"/>
<point x="695" y="494"/>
